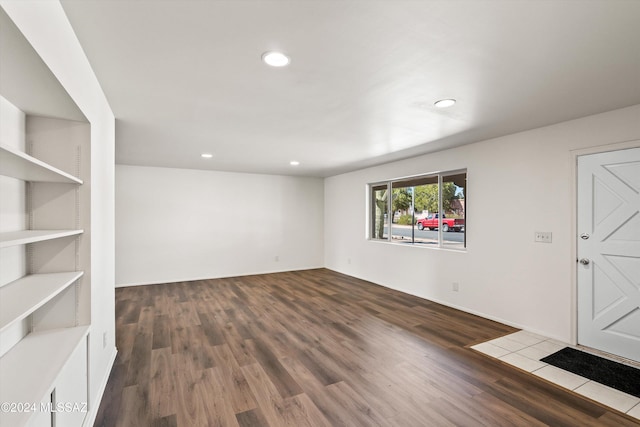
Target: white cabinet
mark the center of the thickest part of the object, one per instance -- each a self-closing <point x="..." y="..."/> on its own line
<point x="71" y="390"/>
<point x="42" y="418"/>
<point x="45" y="311"/>
<point x="35" y="369"/>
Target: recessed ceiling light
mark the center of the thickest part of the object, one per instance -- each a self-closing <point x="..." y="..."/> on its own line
<point x="444" y="103"/>
<point x="275" y="59"/>
<point x="206" y="155"/>
<point x="294" y="163"/>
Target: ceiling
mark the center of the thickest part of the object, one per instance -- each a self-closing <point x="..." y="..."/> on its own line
<point x="185" y="77"/>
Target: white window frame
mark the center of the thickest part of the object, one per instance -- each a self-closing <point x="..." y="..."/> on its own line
<point x="374" y="186"/>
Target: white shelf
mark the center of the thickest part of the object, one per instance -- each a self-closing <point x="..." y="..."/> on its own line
<point x="14" y="238"/>
<point x="19" y="165"/>
<point x="22" y="297"/>
<point x="29" y="370"/>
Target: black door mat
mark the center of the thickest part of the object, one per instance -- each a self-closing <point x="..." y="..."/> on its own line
<point x="613" y="374"/>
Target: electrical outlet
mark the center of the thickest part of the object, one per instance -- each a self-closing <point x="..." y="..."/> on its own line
<point x="348" y="260"/>
<point x="455" y="287"/>
<point x="543" y="236"/>
<point x="276" y="258"/>
<point x="104" y="339"/>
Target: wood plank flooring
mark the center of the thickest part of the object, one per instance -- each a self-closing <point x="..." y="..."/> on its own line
<point x="317" y="348"/>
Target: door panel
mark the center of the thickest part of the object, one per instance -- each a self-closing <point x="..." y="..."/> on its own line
<point x="609" y="251"/>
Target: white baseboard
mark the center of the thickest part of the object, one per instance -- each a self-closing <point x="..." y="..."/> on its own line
<point x="465" y="309"/>
<point x="213" y="277"/>
<point x="497" y="319"/>
<point x="90" y="419"/>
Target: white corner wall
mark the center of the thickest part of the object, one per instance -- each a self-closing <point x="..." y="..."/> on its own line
<point x="180" y="224"/>
<point x="517" y="184"/>
<point x="45" y="25"/>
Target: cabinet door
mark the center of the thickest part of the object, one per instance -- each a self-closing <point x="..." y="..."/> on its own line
<point x="42" y="416"/>
<point x="70" y="395"/>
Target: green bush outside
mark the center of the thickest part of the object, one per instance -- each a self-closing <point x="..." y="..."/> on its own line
<point x="405" y="220"/>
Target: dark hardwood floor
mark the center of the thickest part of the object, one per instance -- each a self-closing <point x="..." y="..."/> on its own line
<point x="317" y="348"/>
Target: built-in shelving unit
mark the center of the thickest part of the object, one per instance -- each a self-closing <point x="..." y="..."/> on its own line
<point x="22" y="297"/>
<point x="44" y="314"/>
<point x="33" y="366"/>
<point x="46" y="293"/>
<point x="20" y="165"/>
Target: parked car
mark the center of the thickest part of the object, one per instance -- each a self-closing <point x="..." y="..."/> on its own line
<point x="448" y="224"/>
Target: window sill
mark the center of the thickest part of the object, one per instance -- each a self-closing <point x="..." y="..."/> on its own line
<point x="433" y="246"/>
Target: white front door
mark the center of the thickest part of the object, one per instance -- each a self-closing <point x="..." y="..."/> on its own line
<point x="609" y="252"/>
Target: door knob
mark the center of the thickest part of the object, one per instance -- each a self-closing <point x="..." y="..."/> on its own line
<point x="585" y="236"/>
<point x="584" y="261"/>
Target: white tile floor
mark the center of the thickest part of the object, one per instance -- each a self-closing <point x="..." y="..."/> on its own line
<point x="524" y="350"/>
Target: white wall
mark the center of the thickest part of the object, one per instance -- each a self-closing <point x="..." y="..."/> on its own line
<point x="517" y="184"/>
<point x="45" y="25"/>
<point x="179" y="224"/>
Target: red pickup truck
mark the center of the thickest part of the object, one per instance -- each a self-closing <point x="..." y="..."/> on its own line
<point x="448" y="224"/>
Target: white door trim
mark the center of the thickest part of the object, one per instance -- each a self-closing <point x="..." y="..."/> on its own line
<point x="574" y="154"/>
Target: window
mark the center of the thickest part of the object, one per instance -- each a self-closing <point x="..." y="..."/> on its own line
<point x="408" y="210"/>
<point x="379" y="211"/>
